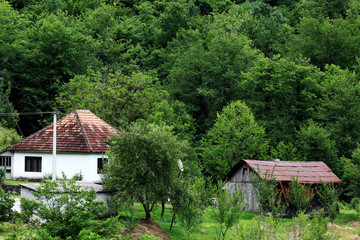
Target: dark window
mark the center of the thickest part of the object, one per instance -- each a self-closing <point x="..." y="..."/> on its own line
<point x="32" y="164"/>
<point x="5" y="161"/>
<point x="100" y="164"/>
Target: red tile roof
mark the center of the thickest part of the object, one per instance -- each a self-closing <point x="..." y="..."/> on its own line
<point x="308" y="172"/>
<point x="79" y="131"/>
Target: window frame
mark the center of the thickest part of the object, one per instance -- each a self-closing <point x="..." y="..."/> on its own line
<point x="100" y="164"/>
<point x="33" y="164"/>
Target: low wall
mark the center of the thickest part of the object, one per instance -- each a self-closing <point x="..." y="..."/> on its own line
<point x="11" y="188"/>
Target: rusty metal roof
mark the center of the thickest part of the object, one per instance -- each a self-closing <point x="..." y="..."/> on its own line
<point x="307" y="172"/>
<point x="79" y="131"/>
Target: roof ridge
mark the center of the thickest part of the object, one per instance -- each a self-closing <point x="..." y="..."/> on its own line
<point x="82" y="129"/>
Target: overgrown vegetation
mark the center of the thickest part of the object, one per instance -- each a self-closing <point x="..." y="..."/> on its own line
<point x="66" y="210"/>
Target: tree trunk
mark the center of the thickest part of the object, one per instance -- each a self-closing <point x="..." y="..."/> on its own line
<point x="172" y="221"/>
<point x="162" y="209"/>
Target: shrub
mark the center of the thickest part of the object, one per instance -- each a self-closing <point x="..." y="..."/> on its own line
<point x="65" y="208"/>
<point x="355" y="204"/>
<point x="6" y="204"/>
<point x="329" y="197"/>
<point x="2" y="175"/>
<point x="299" y="196"/>
<point x="267" y="193"/>
<point x="228" y="212"/>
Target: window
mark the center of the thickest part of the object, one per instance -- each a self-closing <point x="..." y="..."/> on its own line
<point x="100" y="164"/>
<point x="5" y="161"/>
<point x="32" y="164"/>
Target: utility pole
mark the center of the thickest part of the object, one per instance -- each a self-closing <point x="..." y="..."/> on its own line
<point x="54" y="148"/>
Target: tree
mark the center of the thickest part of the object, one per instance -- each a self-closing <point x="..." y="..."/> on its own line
<point x="339" y="109"/>
<point x="234" y="136"/>
<point x="8" y="137"/>
<point x="49" y="55"/>
<point x="143" y="163"/>
<point x="326" y="41"/>
<point x="282" y="95"/>
<point x="115" y="97"/>
<point x="204" y="76"/>
<point x="314" y="143"/>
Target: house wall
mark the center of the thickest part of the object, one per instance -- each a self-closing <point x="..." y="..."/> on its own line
<point x="241" y="180"/>
<point x="7" y="153"/>
<point x="100" y="196"/>
<point x="69" y="163"/>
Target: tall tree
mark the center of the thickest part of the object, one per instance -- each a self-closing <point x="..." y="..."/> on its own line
<point x="144" y="163"/>
<point x="339" y="108"/>
<point x="282" y="94"/>
<point x="115" y="97"/>
<point x="234" y="136"/>
<point x="205" y="75"/>
<point x="315" y="144"/>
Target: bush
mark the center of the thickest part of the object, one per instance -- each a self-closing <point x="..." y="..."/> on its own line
<point x="2" y="175"/>
<point x="65" y="209"/>
<point x="6" y="204"/>
<point x="229" y="210"/>
<point x="299" y="196"/>
<point x="328" y="195"/>
<point x="355" y="204"/>
<point x="267" y="193"/>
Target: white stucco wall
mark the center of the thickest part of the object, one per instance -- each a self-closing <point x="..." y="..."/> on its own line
<point x="69" y="163"/>
<point x="7" y="153"/>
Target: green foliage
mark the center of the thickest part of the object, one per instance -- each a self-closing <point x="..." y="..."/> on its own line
<point x="268" y="193"/>
<point x="114" y="97"/>
<point x="282" y="95"/>
<point x="286" y="152"/>
<point x="189" y="198"/>
<point x="351" y="178"/>
<point x="328" y="195"/>
<point x="8" y="137"/>
<point x="315" y="143"/>
<point x="27" y="209"/>
<point x="144" y="163"/>
<point x="355" y="203"/>
<point x="339" y="108"/>
<point x="2" y="175"/>
<point x="299" y="195"/>
<point x="147" y="237"/>
<point x="320" y="40"/>
<point x="204" y="75"/>
<point x="65" y="208"/>
<point x="228" y="210"/>
<point x="6" y="204"/>
<point x="234" y="136"/>
<point x="314" y="228"/>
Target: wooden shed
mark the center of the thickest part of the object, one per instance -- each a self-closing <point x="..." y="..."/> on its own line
<point x="307" y="172"/>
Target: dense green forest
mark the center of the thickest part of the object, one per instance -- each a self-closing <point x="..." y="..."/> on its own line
<point x="236" y="79"/>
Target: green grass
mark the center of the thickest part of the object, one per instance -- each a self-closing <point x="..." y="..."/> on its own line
<point x="13" y="182"/>
<point x="206" y="230"/>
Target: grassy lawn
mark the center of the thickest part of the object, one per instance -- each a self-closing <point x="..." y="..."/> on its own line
<point x="13" y="182"/>
<point x="346" y="227"/>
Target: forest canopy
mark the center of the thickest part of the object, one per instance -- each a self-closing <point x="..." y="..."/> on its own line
<point x="284" y="74"/>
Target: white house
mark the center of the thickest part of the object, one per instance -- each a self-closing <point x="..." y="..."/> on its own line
<point x="80" y="147"/>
